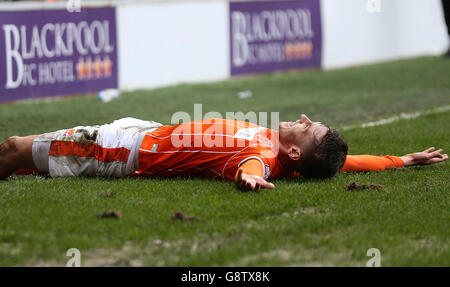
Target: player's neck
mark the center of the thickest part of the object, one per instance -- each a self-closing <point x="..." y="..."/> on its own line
<point x="286" y="162"/>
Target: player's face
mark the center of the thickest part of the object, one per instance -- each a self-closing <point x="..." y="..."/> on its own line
<point x="302" y="132"/>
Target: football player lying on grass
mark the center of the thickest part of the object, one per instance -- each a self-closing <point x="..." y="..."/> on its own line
<point x="249" y="154"/>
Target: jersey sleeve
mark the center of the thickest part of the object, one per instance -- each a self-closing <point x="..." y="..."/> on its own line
<point x="371" y="163"/>
<point x="252" y="166"/>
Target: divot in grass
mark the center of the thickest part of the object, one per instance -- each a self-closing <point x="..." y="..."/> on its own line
<point x="109" y="214"/>
<point x="352" y="186"/>
<point x="179" y="215"/>
<point x="107" y="193"/>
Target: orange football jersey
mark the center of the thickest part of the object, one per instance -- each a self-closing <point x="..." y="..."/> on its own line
<point x="212" y="148"/>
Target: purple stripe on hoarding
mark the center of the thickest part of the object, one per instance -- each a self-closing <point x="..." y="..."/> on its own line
<point x="274" y="35"/>
<point x="47" y="53"/>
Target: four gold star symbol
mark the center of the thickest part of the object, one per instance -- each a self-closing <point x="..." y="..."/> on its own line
<point x="88" y="69"/>
<point x="298" y="50"/>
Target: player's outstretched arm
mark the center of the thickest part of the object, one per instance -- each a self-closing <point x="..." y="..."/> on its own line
<point x="428" y="156"/>
<point x="251" y="182"/>
<point x="377" y="163"/>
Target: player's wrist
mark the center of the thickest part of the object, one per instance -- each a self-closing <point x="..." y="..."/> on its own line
<point x="407" y="160"/>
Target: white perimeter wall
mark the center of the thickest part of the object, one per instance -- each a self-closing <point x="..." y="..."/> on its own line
<point x="166" y="43"/>
<point x="403" y="28"/>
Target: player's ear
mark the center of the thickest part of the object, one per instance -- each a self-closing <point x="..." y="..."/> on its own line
<point x="294" y="152"/>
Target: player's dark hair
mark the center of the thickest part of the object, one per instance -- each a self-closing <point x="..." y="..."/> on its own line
<point x="326" y="158"/>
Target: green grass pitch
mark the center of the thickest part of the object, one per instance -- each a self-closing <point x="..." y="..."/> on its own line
<point x="312" y="223"/>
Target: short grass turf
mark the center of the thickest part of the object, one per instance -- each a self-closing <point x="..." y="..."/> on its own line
<point x="312" y="223"/>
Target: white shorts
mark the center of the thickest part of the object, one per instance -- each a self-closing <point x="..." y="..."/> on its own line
<point x="109" y="150"/>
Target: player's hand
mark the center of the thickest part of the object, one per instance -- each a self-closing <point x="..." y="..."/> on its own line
<point x="251" y="182"/>
<point x="428" y="156"/>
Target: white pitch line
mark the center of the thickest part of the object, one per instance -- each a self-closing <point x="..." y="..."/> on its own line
<point x="402" y="116"/>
